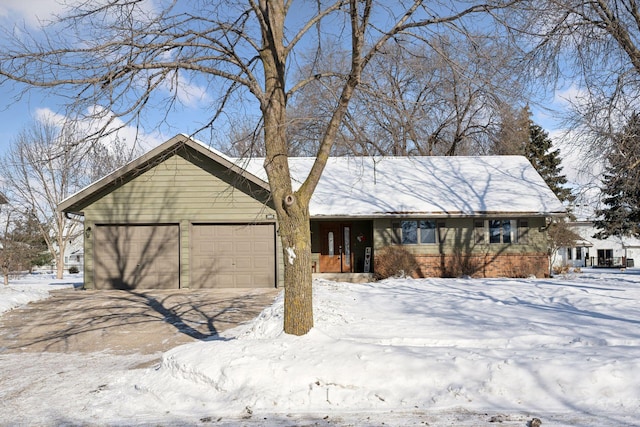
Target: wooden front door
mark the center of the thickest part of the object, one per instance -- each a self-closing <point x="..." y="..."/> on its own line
<point x="335" y="248"/>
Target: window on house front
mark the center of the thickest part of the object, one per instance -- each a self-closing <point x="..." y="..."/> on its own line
<point x="578" y="253"/>
<point x="569" y="253"/>
<point x="409" y="232"/>
<point x="414" y="232"/>
<point x="427" y="231"/>
<point x="502" y="231"/>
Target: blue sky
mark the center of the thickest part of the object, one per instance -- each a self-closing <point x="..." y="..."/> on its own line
<point x="14" y="116"/>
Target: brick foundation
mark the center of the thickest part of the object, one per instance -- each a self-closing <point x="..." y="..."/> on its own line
<point x="488" y="265"/>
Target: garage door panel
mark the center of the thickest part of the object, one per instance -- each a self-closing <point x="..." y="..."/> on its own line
<point x="137" y="257"/>
<point x="233" y="255"/>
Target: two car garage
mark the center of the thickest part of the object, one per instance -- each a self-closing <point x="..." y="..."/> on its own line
<point x="146" y="256"/>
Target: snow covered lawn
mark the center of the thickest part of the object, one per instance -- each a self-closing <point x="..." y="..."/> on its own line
<point x="462" y="352"/>
<point x="32" y="287"/>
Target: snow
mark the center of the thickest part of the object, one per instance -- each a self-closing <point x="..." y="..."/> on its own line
<point x="387" y="186"/>
<point x="27" y="288"/>
<point x="441" y="352"/>
<point x="430" y="185"/>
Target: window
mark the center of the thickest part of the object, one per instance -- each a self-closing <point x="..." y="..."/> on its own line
<point x="569" y="253"/>
<point x="414" y="232"/>
<point x="501" y="231"/>
<point x="578" y="253"/>
<point x="427" y="231"/>
<point x="409" y="232"/>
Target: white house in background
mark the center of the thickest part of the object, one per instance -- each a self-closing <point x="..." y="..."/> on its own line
<point x="74" y="254"/>
<point x="593" y="252"/>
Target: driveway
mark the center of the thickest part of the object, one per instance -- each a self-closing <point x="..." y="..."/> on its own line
<point x="127" y="322"/>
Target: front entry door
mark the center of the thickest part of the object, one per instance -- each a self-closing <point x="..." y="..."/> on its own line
<point x="335" y="250"/>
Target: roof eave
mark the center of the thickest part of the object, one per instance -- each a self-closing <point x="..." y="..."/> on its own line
<point x="484" y="214"/>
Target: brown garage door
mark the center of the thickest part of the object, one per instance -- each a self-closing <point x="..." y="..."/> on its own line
<point x="233" y="256"/>
<point x="137" y="256"/>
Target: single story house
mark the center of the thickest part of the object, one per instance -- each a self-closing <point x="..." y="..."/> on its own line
<point x="589" y="251"/>
<point x="184" y="215"/>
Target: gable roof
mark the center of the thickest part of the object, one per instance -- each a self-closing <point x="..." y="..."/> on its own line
<point x="424" y="186"/>
<point x="77" y="202"/>
<point x="382" y="186"/>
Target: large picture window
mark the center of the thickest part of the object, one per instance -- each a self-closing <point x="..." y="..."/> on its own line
<point x="422" y="231"/>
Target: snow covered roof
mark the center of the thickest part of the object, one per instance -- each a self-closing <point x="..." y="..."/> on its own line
<point x="424" y="186"/>
<point x="382" y="186"/>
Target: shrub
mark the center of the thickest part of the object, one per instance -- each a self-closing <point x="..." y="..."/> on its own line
<point x="394" y="261"/>
<point x="73" y="270"/>
<point x="561" y="269"/>
<point x="461" y="264"/>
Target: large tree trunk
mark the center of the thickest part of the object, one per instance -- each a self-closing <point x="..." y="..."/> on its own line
<point x="293" y="222"/>
<point x="295" y="235"/>
<point x="292" y="208"/>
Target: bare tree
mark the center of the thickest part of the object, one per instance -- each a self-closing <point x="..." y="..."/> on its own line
<point x="594" y="45"/>
<point x="560" y="235"/>
<point x="47" y="163"/>
<point x="22" y="246"/>
<point x="132" y="58"/>
<point x="513" y="133"/>
<point x="11" y="256"/>
<point x="438" y="100"/>
<point x="442" y="97"/>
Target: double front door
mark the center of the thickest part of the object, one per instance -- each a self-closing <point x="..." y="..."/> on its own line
<point x="335" y="248"/>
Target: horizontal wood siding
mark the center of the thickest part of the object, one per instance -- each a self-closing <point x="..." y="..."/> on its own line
<point x="459" y="235"/>
<point x="458" y="248"/>
<point x="183" y="189"/>
<point x="179" y="189"/>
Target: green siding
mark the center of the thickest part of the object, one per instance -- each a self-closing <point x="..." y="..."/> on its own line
<point x="457" y="234"/>
<point x="183" y="189"/>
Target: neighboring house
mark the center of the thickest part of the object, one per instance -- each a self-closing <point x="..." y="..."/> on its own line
<point x="592" y="252"/>
<point x="184" y="215"/>
<point x="74" y="254"/>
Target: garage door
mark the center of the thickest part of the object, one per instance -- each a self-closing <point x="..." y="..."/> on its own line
<point x="137" y="256"/>
<point x="233" y="256"/>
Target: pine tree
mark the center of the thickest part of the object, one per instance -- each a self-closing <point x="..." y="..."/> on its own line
<point x="620" y="215"/>
<point x="539" y="151"/>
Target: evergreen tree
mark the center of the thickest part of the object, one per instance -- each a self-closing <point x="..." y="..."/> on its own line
<point x="620" y="215"/>
<point x="539" y="151"/>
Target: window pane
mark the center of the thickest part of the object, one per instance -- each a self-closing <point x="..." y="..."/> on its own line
<point x="427" y="231"/>
<point x="347" y="245"/>
<point x="478" y="228"/>
<point x="494" y="230"/>
<point x="330" y="243"/>
<point x="506" y="231"/>
<point x="409" y="232"/>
